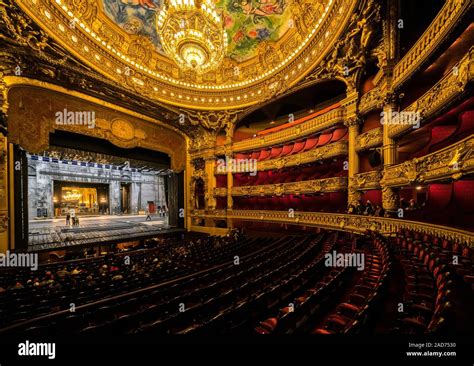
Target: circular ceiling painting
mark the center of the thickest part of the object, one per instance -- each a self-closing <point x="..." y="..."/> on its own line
<point x="269" y="45"/>
<point x="247" y="22"/>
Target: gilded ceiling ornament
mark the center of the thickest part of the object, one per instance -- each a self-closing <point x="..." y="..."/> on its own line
<point x="351" y="52"/>
<point x="213" y="120"/>
<point x="21" y="28"/>
<point x="105" y="41"/>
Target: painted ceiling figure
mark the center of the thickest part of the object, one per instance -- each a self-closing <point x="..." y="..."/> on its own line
<point x="260" y="7"/>
<point x="144" y="3"/>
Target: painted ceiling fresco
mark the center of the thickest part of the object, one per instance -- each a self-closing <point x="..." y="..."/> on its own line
<point x="247" y="22"/>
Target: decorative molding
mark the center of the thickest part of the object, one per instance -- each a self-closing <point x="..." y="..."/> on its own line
<point x="366" y="181"/>
<point x="369" y="139"/>
<point x="440" y="96"/>
<point x="344" y="222"/>
<point x="452" y="162"/>
<point x="304" y="187"/>
<point x="426" y="45"/>
<point x="371" y="101"/>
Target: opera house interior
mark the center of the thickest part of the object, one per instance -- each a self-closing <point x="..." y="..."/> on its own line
<point x="267" y="170"/>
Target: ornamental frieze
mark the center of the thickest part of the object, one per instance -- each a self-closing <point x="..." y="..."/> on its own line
<point x="326" y="185"/>
<point x="366" y="181"/>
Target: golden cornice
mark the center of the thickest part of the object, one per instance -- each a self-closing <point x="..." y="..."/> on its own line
<point x="331" y="150"/>
<point x="426" y="45"/>
<point x="344" y="222"/>
<point x="452" y="162"/>
<point x="369" y="139"/>
<point x="452" y="85"/>
<point x="326" y="185"/>
<point x="143" y="72"/>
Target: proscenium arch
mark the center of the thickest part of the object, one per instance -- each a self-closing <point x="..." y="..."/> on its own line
<point x="32" y="106"/>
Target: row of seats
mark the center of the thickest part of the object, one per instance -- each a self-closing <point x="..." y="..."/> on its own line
<point x="295" y="147"/>
<point x="426" y="298"/>
<point x="48" y="290"/>
<point x="291" y="174"/>
<point x="202" y="295"/>
<point x="324" y="281"/>
<point x="353" y="311"/>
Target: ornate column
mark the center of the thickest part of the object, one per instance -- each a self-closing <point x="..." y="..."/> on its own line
<point x="230" y="127"/>
<point x="210" y="182"/>
<point x="230" y="185"/>
<point x="353" y="125"/>
<point x="390" y="198"/>
<point x="4" y="213"/>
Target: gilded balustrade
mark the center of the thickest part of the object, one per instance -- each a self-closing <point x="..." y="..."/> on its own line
<point x="344" y="222"/>
<point x="426" y="45"/>
<point x="452" y="162"/>
<point x="369" y="139"/>
<point x="451" y="86"/>
<point x="306" y="128"/>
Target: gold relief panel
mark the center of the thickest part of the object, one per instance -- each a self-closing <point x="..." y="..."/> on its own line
<point x="366" y="181"/>
<point x="35" y="112"/>
<point x="370" y="101"/>
<point x="369" y="139"/>
<point x="304" y="187"/>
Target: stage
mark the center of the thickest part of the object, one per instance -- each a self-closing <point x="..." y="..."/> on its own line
<point x="51" y="234"/>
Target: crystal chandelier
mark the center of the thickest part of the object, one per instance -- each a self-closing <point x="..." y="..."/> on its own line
<point x="192" y="34"/>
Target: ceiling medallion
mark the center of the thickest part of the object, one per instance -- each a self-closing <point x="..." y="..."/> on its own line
<point x="192" y="34"/>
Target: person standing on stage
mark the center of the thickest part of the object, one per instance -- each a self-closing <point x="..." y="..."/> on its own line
<point x="148" y="217"/>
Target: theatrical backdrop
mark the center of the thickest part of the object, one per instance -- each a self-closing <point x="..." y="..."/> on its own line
<point x="237" y="167"/>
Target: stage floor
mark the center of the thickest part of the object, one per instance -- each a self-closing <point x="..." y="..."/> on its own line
<point x="54" y="234"/>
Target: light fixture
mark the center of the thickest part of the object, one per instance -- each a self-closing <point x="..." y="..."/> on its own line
<point x="192" y="34"/>
<point x="419" y="188"/>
